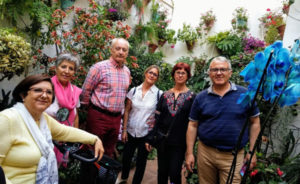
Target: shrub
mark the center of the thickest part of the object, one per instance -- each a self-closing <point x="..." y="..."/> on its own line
<point x="14" y="54"/>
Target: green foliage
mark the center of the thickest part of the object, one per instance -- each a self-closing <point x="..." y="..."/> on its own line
<point x="14" y="54"/>
<point x="198" y="80"/>
<point x="228" y="43"/>
<point x="272" y="35"/>
<point x="187" y="33"/>
<point x="240" y="21"/>
<point x="238" y="63"/>
<point x="152" y="154"/>
<point x="144" y="60"/>
<point x="70" y="174"/>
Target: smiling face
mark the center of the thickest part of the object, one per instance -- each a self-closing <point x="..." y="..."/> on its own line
<point x="39" y="97"/>
<point x="119" y="51"/>
<point x="65" y="71"/>
<point x="180" y="76"/>
<point x="151" y="76"/>
<point x="219" y="73"/>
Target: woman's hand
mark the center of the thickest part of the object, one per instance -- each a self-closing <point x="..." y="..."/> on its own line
<point x="99" y="150"/>
<point x="148" y="147"/>
<point x="124" y="136"/>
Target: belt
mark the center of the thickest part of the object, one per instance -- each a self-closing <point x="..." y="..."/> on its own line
<point x="104" y="111"/>
<point x="223" y="149"/>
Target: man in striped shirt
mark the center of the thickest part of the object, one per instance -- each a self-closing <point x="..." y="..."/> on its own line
<point x="104" y="92"/>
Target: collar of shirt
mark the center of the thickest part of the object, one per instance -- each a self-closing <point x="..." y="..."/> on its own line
<point x="114" y="63"/>
<point x="232" y="88"/>
<point x="152" y="89"/>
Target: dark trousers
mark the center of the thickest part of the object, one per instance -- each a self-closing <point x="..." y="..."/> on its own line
<point x="170" y="159"/>
<point x="2" y="177"/>
<point x="131" y="145"/>
<point x="106" y="127"/>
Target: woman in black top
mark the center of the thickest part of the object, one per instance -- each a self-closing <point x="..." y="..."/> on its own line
<point x="172" y="115"/>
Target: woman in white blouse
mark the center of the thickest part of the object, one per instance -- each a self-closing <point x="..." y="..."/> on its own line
<point x="138" y="120"/>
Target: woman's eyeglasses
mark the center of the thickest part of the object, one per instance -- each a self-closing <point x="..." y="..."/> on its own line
<point x="152" y="73"/>
<point x="41" y="91"/>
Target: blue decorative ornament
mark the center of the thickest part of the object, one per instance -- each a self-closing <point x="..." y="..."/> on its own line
<point x="281" y="80"/>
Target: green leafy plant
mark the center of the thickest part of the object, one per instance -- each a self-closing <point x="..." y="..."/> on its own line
<point x="272" y="35"/>
<point x="228" y="43"/>
<point x="240" y="20"/>
<point x="15" y="54"/>
<point x="188" y="35"/>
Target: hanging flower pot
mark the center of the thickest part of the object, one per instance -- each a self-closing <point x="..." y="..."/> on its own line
<point x="190" y="45"/>
<point x="241" y="23"/>
<point x="162" y="42"/>
<point x="146" y="2"/>
<point x="209" y="23"/>
<point x="152" y="47"/>
<point x="129" y="4"/>
<point x="281" y="30"/>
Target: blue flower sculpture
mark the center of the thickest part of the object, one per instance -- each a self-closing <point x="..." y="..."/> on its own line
<point x="281" y="80"/>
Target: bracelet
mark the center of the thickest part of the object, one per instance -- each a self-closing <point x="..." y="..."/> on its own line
<point x="250" y="152"/>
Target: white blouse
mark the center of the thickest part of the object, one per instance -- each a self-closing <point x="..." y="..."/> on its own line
<point x="141" y="116"/>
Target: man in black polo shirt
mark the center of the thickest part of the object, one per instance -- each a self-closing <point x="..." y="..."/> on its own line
<point x="217" y="120"/>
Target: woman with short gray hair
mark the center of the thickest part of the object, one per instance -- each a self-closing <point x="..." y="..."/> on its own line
<point x="63" y="109"/>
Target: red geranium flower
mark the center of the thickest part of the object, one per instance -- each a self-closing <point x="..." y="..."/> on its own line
<point x="279" y="172"/>
<point x="253" y="173"/>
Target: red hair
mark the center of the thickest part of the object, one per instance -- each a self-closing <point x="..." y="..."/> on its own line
<point x="184" y="66"/>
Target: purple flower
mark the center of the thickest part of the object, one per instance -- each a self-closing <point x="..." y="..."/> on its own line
<point x="252" y="44"/>
<point x="121" y="1"/>
<point x="112" y="10"/>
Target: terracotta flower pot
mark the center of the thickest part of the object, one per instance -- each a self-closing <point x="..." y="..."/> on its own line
<point x="190" y="45"/>
<point x="152" y="47"/>
<point x="281" y="30"/>
<point x="209" y="23"/>
<point x="146" y="2"/>
<point x="161" y="42"/>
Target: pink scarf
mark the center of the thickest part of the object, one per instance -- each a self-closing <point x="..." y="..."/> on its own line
<point x="67" y="97"/>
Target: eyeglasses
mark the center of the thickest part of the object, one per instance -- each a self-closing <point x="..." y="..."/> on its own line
<point x="40" y="91"/>
<point x="180" y="73"/>
<point x="152" y="73"/>
<point x="216" y="70"/>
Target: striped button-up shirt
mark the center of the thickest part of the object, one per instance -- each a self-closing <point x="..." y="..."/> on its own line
<point x="106" y="86"/>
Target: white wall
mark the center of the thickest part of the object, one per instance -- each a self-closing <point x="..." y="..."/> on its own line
<point x="189" y="11"/>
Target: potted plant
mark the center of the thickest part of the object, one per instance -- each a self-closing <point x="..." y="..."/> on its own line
<point x="188" y="35"/>
<point x="274" y="24"/>
<point x="207" y="20"/>
<point x="115" y="11"/>
<point x="240" y="20"/>
<point x="286" y="6"/>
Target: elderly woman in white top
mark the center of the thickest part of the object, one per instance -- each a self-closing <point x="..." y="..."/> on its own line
<point x="138" y="120"/>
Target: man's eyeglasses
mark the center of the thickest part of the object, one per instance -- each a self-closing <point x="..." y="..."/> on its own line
<point x="216" y="70"/>
<point x="152" y="73"/>
<point x="41" y="91"/>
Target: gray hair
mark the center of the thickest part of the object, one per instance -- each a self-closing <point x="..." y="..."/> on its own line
<point x="114" y="41"/>
<point x="222" y="59"/>
<point x="67" y="57"/>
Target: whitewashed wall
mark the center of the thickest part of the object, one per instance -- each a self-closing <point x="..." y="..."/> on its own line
<point x="189" y="11"/>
